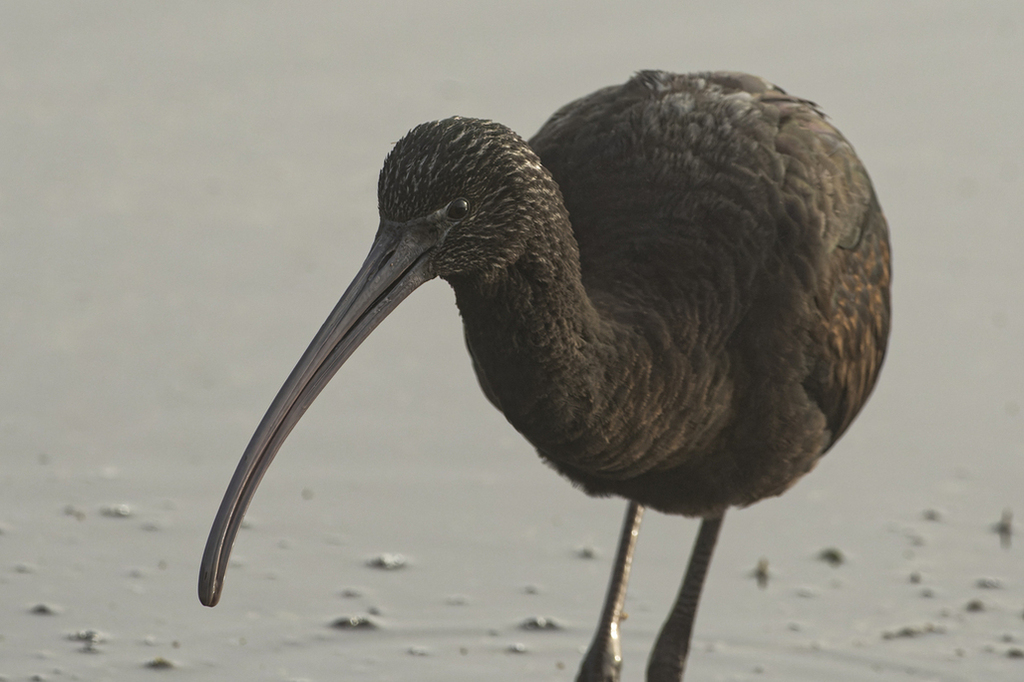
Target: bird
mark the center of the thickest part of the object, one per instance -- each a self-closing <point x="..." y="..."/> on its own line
<point x="678" y="291"/>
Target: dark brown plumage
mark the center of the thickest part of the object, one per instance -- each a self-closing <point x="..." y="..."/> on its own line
<point x="736" y="265"/>
<point x="678" y="292"/>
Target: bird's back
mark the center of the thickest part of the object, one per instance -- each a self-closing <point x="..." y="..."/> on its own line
<point x="733" y="225"/>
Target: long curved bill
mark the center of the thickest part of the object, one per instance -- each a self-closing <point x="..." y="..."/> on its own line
<point x="396" y="265"/>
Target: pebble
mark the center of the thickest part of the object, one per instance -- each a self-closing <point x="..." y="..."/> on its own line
<point x="88" y="636"/>
<point x="914" y="631"/>
<point x="354" y="623"/>
<point x="45" y="609"/>
<point x="159" y="663"/>
<point x="71" y="510"/>
<point x="540" y="623"/>
<point x="116" y="511"/>
<point x="831" y="556"/>
<point x="1004" y="528"/>
<point x="387" y="562"/>
<point x="760" y="572"/>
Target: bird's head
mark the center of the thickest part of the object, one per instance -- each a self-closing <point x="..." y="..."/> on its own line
<point x="474" y="185"/>
<point x="457" y="198"/>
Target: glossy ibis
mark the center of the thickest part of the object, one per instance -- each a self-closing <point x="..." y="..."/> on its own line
<point x="677" y="291"/>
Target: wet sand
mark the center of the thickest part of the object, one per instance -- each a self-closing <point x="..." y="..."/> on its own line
<point x="186" y="190"/>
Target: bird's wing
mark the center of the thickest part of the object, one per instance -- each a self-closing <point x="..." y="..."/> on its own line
<point x="830" y="175"/>
<point x="710" y="153"/>
<point x="828" y="184"/>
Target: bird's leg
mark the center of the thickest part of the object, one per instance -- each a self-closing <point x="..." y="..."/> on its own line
<point x="604" y="659"/>
<point x="668" y="659"/>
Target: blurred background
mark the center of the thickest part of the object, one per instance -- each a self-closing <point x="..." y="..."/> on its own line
<point x="187" y="188"/>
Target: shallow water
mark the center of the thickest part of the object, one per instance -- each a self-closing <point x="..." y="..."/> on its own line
<point x="185" y="190"/>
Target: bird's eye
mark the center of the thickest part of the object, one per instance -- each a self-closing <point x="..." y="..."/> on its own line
<point x="457" y="210"/>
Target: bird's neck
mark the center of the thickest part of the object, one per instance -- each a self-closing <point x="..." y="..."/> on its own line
<point x="540" y="347"/>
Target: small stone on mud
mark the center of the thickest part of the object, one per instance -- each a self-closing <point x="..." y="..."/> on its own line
<point x="116" y="511"/>
<point x="354" y="623"/>
<point x="975" y="606"/>
<point x="418" y="650"/>
<point x="540" y="623"/>
<point x="1004" y="528"/>
<point x="989" y="583"/>
<point x="760" y="573"/>
<point x="517" y="648"/>
<point x="587" y="552"/>
<point x="90" y="636"/>
<point x="45" y="610"/>
<point x="387" y="562"/>
<point x="159" y="663"/>
<point x="831" y="556"/>
<point x="931" y="515"/>
<point x="913" y="631"/>
<point x="72" y="510"/>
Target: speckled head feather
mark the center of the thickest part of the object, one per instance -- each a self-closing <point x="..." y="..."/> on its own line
<point x="439" y="161"/>
<point x="510" y="194"/>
